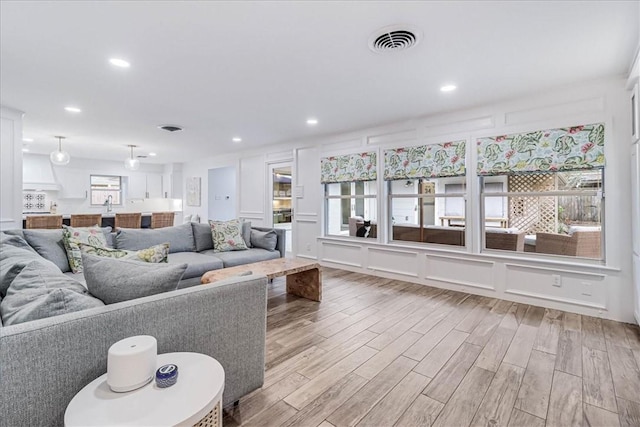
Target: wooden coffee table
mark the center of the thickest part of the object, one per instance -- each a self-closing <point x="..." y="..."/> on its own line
<point x="304" y="278"/>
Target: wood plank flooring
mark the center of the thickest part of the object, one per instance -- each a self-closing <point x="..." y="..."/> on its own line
<point x="380" y="352"/>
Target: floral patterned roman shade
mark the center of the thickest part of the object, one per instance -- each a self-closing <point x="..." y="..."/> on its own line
<point x="564" y="149"/>
<point x="349" y="168"/>
<point x="425" y="161"/>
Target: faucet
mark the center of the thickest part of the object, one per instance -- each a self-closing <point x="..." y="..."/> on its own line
<point x="108" y="203"/>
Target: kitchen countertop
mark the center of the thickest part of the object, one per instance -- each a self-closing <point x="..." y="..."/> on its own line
<point x="104" y="214"/>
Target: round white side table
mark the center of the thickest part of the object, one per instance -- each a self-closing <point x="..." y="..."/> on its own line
<point x="195" y="399"/>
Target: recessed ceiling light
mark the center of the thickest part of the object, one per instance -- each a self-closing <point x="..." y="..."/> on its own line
<point x="25" y="150"/>
<point x="237" y="139"/>
<point x="73" y="109"/>
<point x="119" y="62"/>
<point x="448" y="88"/>
<point x="312" y="122"/>
<point x="27" y="139"/>
<point x="152" y="154"/>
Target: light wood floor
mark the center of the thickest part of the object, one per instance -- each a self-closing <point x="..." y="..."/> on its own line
<point x="379" y="352"/>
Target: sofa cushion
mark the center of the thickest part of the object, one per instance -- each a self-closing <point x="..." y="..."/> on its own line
<point x="49" y="244"/>
<point x="231" y="259"/>
<point x="37" y="293"/>
<point x="180" y="238"/>
<point x="264" y="239"/>
<point x="202" y="236"/>
<point x="227" y="236"/>
<point x="198" y="264"/>
<point x="154" y="254"/>
<point x="246" y="233"/>
<point x="72" y="237"/>
<point x="13" y="259"/>
<point x="114" y="280"/>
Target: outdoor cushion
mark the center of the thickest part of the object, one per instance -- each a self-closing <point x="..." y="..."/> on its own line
<point x="179" y="237"/>
<point x="198" y="264"/>
<point x="37" y="293"/>
<point x="13" y="259"/>
<point x="113" y="280"/>
<point x="233" y="258"/>
<point x="264" y="239"/>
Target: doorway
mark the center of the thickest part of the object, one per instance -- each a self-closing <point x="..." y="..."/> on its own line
<point x="281" y="199"/>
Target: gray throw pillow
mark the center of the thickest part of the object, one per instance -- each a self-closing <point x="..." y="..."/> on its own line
<point x="179" y="237"/>
<point x="13" y="259"/>
<point x="264" y="239"/>
<point x="202" y="236"/>
<point x="16" y="240"/>
<point x="113" y="280"/>
<point x="37" y="293"/>
<point x="246" y="233"/>
<point x="49" y="244"/>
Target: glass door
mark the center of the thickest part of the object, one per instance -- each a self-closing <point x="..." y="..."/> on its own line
<point x="281" y="197"/>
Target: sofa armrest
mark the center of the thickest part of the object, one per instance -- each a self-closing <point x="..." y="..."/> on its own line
<point x="281" y="246"/>
<point x="47" y="361"/>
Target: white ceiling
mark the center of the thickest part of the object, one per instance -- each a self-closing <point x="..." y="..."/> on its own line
<point x="258" y="70"/>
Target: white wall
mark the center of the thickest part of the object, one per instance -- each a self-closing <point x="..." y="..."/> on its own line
<point x="222" y="193"/>
<point x="10" y="168"/>
<point x="633" y="84"/>
<point x="503" y="275"/>
<point x="77" y="175"/>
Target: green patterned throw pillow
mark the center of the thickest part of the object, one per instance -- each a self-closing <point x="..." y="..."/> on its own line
<point x="72" y="237"/>
<point x="154" y="254"/>
<point x="227" y="236"/>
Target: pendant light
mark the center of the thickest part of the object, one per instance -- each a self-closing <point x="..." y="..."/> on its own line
<point x="60" y="157"/>
<point x="131" y="163"/>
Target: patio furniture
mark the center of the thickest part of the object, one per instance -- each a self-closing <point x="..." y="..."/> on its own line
<point x="580" y="242"/>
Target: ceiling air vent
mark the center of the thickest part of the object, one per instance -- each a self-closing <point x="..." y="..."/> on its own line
<point x="170" y="128"/>
<point x="394" y="39"/>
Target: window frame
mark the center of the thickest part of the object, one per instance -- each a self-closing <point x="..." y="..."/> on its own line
<point x="600" y="192"/>
<point x="328" y="197"/>
<point x="92" y="189"/>
<point x="420" y="197"/>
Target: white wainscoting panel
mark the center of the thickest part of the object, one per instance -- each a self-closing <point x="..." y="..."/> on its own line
<point x="475" y="123"/>
<point x="395" y="261"/>
<point x="554" y="111"/>
<point x="305" y="235"/>
<point x="583" y="289"/>
<point x="347" y="254"/>
<point x="393" y="137"/>
<point x="461" y="271"/>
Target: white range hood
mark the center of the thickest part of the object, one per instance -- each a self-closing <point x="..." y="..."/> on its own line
<point x="37" y="174"/>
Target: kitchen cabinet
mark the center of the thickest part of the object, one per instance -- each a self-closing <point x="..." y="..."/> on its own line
<point x="74" y="183"/>
<point x="144" y="186"/>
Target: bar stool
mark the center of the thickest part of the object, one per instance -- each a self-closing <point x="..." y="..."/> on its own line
<point x="86" y="220"/>
<point x="162" y="219"/>
<point x="44" y="221"/>
<point x="128" y="220"/>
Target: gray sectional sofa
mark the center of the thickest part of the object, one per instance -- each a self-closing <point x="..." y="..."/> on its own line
<point x="45" y="362"/>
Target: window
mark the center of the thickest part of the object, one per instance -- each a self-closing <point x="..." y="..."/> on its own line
<point x="427" y="193"/>
<point x="349" y="205"/>
<point x="104" y="187"/>
<point x="552" y="189"/>
<point x="350" y="194"/>
<point x="428" y="210"/>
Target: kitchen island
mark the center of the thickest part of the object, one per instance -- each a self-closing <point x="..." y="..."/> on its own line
<point x="108" y="219"/>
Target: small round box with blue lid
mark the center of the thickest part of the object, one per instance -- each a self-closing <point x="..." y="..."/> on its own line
<point x="166" y="375"/>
